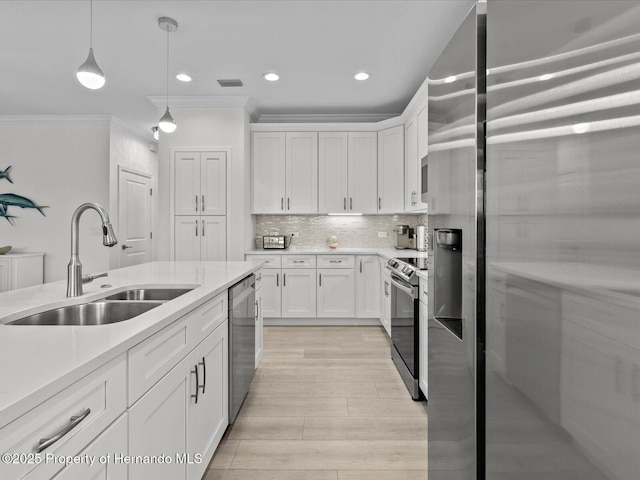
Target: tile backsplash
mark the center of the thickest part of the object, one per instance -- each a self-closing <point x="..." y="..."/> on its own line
<point x="352" y="231"/>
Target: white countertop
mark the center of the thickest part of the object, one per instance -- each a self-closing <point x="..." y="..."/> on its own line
<point x="38" y="361"/>
<point x="384" y="252"/>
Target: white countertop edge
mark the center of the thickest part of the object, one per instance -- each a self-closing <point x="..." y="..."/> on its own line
<point x="384" y="252"/>
<point x="12" y="406"/>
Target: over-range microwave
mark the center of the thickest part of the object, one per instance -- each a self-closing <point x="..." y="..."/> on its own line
<point x="424" y="178"/>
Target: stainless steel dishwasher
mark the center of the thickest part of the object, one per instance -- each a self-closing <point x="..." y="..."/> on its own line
<point x="242" y="342"/>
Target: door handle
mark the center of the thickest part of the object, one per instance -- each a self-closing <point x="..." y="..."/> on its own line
<point x="73" y="423"/>
<point x="277" y="279"/>
<point x="195" y="370"/>
<point x="379" y="203"/>
<point x="196" y="228"/>
<point x="202" y="201"/>
<point x="320" y="279"/>
<point x="124" y="247"/>
<point x="360" y="266"/>
<point x="288" y="203"/>
<point x="204" y="374"/>
<point x="281" y="203"/>
<point x="203" y="228"/>
<point x="345" y="203"/>
<point x="350" y="203"/>
<point x="284" y="279"/>
<point x="196" y="203"/>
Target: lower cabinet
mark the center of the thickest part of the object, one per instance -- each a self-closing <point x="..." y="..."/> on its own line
<point x="271" y="292"/>
<point x="200" y="238"/>
<point x="259" y="317"/>
<point x="298" y="292"/>
<point x="385" y="303"/>
<point x="184" y="415"/>
<point x="336" y="292"/>
<point x="367" y="286"/>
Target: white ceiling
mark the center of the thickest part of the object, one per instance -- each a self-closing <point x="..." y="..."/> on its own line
<point x="315" y="45"/>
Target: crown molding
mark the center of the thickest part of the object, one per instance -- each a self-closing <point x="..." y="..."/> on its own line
<point x="134" y="130"/>
<point x="326" y="118"/>
<point x="55" y="119"/>
<point x="200" y="101"/>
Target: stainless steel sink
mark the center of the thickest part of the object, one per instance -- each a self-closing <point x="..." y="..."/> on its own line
<point x="157" y="294"/>
<point x="96" y="313"/>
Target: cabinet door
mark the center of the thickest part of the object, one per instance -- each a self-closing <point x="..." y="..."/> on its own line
<point x="271" y="292"/>
<point x="367" y="286"/>
<point x="268" y="169"/>
<point x="208" y="418"/>
<point x="213" y="183"/>
<point x="423" y="129"/>
<point x="158" y="424"/>
<point x="385" y="315"/>
<point x="336" y="292"/>
<point x="298" y="292"/>
<point x="301" y="172"/>
<point x="332" y="172"/>
<point x="363" y="172"/>
<point x="112" y="442"/>
<point x="213" y="238"/>
<point x="259" y="326"/>
<point x="187" y="183"/>
<point x="424" y="350"/>
<point x="5" y="275"/>
<point x="391" y="170"/>
<point x="411" y="166"/>
<point x="187" y="237"/>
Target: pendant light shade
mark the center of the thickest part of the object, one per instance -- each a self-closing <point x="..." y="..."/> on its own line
<point x="167" y="124"/>
<point x="89" y="74"/>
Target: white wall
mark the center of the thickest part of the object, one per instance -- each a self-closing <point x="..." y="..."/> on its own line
<point x="134" y="152"/>
<point x="207" y="127"/>
<point x="62" y="165"/>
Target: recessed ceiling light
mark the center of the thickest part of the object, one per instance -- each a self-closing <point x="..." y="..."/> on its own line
<point x="450" y="79"/>
<point x="361" y="76"/>
<point x="271" y="77"/>
<point x="183" y="77"/>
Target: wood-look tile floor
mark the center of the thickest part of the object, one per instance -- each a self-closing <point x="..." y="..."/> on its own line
<point x="326" y="404"/>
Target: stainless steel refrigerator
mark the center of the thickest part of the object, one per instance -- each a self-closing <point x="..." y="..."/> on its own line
<point x="543" y="382"/>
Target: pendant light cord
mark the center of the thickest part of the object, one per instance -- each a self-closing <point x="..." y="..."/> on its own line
<point x="90" y="23"/>
<point x="167" y="66"/>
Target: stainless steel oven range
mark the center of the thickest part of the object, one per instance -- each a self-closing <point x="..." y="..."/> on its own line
<point x="405" y="319"/>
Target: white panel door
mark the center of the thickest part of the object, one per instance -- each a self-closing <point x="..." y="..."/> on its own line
<point x="187" y="237"/>
<point x="367" y="286"/>
<point x="332" y="172"/>
<point x="302" y="172"/>
<point x="187" y="183"/>
<point x="134" y="217"/>
<point x="158" y="424"/>
<point x="213" y="238"/>
<point x="213" y="183"/>
<point x="268" y="169"/>
<point x="411" y="166"/>
<point x="363" y="172"/>
<point x="336" y="292"/>
<point x="298" y="292"/>
<point x="209" y="417"/>
<point x="391" y="170"/>
<point x="271" y="292"/>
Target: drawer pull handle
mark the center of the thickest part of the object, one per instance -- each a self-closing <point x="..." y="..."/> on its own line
<point x="284" y="279"/>
<point x="202" y="201"/>
<point x="195" y="370"/>
<point x="335" y="261"/>
<point x="277" y="279"/>
<point x="196" y="203"/>
<point x="204" y="374"/>
<point x="73" y="423"/>
<point x="196" y="228"/>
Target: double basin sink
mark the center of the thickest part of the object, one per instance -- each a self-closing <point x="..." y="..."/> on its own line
<point x="112" y="309"/>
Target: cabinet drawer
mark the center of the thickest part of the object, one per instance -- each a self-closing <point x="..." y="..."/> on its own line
<point x="270" y="261"/>
<point x="335" y="261"/>
<point x="298" y="261"/>
<point x="150" y="360"/>
<point x="97" y="400"/>
<point x="424" y="291"/>
<point x="206" y="318"/>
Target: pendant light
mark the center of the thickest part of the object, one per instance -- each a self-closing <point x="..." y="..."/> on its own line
<point x="167" y="124"/>
<point x="89" y="73"/>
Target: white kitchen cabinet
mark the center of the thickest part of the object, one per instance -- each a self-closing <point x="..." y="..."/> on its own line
<point x="367" y="286"/>
<point x="208" y="413"/>
<point x="391" y="170"/>
<point x="336" y="292"/>
<point x="271" y="292"/>
<point x="200" y="238"/>
<point x="414" y="140"/>
<point x="422" y="120"/>
<point x="112" y="441"/>
<point x="200" y="180"/>
<point x="19" y="270"/>
<point x="423" y="339"/>
<point x="299" y="292"/>
<point x="385" y="298"/>
<point x="285" y="172"/>
<point x="259" y="318"/>
<point x="347" y="172"/>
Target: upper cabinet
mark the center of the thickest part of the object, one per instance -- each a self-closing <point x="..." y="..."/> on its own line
<point x="348" y="169"/>
<point x="200" y="183"/>
<point x="416" y="144"/>
<point x="285" y="172"/>
<point x="391" y="170"/>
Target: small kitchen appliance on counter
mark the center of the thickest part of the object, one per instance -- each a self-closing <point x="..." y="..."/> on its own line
<point x="405" y="237"/>
<point x="281" y="242"/>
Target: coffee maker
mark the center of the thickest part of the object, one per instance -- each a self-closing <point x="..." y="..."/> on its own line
<point x="405" y="237"/>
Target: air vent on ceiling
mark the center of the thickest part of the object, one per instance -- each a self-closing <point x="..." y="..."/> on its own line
<point x="230" y="82"/>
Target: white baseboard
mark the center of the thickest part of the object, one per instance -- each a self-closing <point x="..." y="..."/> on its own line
<point x="323" y="321"/>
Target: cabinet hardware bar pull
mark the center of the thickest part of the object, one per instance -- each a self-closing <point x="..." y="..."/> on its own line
<point x="345" y="203"/>
<point x="203" y="228"/>
<point x="281" y="203"/>
<point x="379" y="203"/>
<point x="202" y="203"/>
<point x="288" y="206"/>
<point x="204" y="374"/>
<point x="277" y="279"/>
<point x="320" y="279"/>
<point x="255" y="313"/>
<point x="350" y="203"/>
<point x="360" y="266"/>
<point x="284" y="279"/>
<point x="73" y="423"/>
<point x="196" y="228"/>
<point x="196" y="203"/>
<point x="195" y="370"/>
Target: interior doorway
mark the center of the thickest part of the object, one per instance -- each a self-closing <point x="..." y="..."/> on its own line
<point x="134" y="216"/>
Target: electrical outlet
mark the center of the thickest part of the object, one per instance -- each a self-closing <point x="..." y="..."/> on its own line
<point x="383" y="234"/>
<point x="295" y="234"/>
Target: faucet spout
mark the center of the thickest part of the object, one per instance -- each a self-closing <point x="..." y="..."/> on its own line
<point x="74" y="269"/>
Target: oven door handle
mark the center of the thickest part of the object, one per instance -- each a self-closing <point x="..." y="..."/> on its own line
<point x="409" y="291"/>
